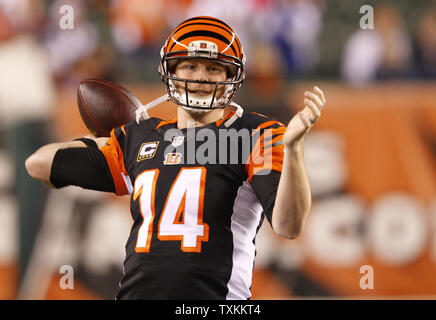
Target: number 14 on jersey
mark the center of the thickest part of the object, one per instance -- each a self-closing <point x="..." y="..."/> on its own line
<point x="182" y="214"/>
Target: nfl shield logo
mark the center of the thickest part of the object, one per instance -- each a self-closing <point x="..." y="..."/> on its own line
<point x="177" y="141"/>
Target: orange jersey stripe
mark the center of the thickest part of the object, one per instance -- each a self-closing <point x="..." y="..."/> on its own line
<point x="114" y="157"/>
<point x="265" y="156"/>
<point x="162" y="123"/>
<point x="276" y="135"/>
<point x="266" y="124"/>
<point x="220" y="122"/>
<point x="261" y="144"/>
<point x="271" y="166"/>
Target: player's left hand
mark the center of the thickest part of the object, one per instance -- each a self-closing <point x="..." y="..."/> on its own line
<point x="304" y="120"/>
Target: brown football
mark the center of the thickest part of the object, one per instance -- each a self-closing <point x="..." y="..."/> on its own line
<point x="105" y="105"/>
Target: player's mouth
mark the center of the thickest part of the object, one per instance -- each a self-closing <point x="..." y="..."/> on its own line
<point x="202" y="93"/>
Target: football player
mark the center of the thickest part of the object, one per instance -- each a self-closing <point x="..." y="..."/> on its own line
<point x="195" y="221"/>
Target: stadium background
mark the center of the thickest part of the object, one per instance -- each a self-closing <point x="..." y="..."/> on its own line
<point x="370" y="159"/>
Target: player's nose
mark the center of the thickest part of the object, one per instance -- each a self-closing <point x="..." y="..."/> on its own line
<point x="202" y="73"/>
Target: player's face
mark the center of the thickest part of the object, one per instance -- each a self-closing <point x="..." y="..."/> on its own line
<point x="204" y="70"/>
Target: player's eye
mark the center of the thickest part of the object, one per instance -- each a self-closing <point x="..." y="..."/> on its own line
<point x="215" y="69"/>
<point x="188" y="66"/>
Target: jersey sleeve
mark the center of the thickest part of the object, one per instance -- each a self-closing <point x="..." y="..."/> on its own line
<point x="114" y="156"/>
<point x="266" y="152"/>
<point x="265" y="188"/>
<point x="264" y="165"/>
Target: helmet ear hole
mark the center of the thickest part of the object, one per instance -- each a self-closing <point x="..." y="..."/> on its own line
<point x="172" y="64"/>
<point x="231" y="71"/>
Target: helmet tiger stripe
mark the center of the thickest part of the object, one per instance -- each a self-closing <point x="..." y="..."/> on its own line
<point x="205" y="28"/>
<point x="203" y="38"/>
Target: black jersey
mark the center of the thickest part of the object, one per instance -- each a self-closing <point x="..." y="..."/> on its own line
<point x="195" y="221"/>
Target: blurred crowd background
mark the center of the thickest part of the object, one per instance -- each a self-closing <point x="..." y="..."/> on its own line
<point x="371" y="160"/>
<point x="293" y="39"/>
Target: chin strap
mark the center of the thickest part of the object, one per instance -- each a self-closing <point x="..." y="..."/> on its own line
<point x="141" y="112"/>
<point x="238" y="113"/>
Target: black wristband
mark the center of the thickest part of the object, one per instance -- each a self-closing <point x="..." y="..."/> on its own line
<point x="90" y="143"/>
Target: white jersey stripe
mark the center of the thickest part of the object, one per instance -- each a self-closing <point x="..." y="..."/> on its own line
<point x="247" y="212"/>
<point x="127" y="182"/>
